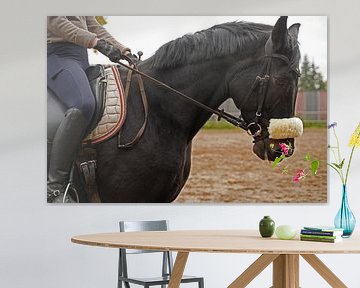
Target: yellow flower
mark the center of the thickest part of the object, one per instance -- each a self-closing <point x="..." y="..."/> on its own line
<point x="355" y="138"/>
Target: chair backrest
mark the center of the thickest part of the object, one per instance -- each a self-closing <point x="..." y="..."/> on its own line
<point x="134" y="226"/>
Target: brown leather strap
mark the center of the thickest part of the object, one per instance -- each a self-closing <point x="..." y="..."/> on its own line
<point x="86" y="162"/>
<point x="127" y="84"/>
<point x="145" y="106"/>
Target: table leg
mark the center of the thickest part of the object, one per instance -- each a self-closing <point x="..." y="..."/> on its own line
<point x="324" y="271"/>
<point x="286" y="271"/>
<point x="178" y="269"/>
<point x="253" y="270"/>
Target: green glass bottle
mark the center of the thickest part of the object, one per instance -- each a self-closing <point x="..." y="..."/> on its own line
<point x="266" y="226"/>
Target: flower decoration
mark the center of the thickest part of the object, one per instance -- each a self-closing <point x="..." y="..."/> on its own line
<point x="311" y="168"/>
<point x="355" y="138"/>
<point x="284" y="148"/>
<point x="339" y="163"/>
<point x="300" y="174"/>
<point x="332" y="125"/>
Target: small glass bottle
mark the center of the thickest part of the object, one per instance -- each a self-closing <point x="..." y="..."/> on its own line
<point x="266" y="226"/>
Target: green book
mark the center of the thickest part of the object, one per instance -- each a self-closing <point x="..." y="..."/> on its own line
<point x="320" y="239"/>
<point x="319" y="236"/>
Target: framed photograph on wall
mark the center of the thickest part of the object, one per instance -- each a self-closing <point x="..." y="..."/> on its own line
<point x="213" y="109"/>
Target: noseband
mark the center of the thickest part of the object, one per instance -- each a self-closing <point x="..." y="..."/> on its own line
<point x="254" y="128"/>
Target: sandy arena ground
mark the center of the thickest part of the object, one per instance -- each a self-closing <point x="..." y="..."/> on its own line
<point x="224" y="169"/>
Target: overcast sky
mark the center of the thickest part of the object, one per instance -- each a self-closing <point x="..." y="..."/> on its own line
<point x="148" y="33"/>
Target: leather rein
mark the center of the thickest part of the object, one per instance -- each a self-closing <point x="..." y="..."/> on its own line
<point x="253" y="128"/>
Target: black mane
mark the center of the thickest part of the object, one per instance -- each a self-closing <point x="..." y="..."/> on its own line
<point x="219" y="40"/>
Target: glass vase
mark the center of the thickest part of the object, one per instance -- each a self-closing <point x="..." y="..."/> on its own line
<point x="345" y="219"/>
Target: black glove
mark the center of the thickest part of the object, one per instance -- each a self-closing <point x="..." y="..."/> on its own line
<point x="108" y="50"/>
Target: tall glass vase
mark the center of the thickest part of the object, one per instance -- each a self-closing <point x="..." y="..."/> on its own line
<point x="345" y="219"/>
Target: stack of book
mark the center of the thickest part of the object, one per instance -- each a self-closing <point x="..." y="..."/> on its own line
<point x="321" y="234"/>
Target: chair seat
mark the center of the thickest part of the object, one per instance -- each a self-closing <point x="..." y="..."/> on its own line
<point x="158" y="280"/>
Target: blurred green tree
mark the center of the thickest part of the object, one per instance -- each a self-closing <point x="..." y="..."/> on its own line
<point x="311" y="79"/>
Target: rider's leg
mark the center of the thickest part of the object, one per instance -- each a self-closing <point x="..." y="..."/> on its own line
<point x="65" y="145"/>
<point x="72" y="87"/>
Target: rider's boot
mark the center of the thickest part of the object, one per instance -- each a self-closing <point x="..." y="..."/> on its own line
<point x="64" y="149"/>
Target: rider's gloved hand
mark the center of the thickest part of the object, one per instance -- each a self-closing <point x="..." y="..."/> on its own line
<point x="131" y="58"/>
<point x="108" y="50"/>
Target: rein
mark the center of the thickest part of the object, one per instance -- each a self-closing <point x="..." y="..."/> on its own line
<point x="253" y="128"/>
<point x="221" y="113"/>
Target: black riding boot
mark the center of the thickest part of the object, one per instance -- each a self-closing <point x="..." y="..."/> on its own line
<point x="64" y="149"/>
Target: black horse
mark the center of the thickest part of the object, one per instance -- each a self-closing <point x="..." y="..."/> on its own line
<point x="210" y="66"/>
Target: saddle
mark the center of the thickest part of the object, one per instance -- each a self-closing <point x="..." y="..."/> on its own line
<point x="110" y="100"/>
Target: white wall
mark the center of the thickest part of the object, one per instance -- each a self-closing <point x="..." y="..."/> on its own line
<point x="35" y="248"/>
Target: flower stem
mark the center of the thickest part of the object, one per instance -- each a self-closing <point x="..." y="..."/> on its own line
<point x="337" y="171"/>
<point x="337" y="144"/>
<point x="334" y="154"/>
<point x="339" y="159"/>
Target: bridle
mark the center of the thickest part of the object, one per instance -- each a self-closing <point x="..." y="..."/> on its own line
<point x="254" y="127"/>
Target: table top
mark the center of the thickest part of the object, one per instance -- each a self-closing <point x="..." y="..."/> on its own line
<point x="217" y="241"/>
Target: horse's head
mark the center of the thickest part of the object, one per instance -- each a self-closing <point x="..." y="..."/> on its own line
<point x="270" y="82"/>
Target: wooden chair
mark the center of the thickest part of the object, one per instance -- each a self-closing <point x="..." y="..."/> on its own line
<point x="167" y="262"/>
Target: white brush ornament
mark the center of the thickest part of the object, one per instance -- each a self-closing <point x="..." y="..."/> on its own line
<point x="285" y="128"/>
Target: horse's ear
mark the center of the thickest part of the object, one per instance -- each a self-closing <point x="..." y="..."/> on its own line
<point x="294" y="30"/>
<point x="279" y="34"/>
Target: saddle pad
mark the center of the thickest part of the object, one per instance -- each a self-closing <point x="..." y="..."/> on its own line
<point x="114" y="109"/>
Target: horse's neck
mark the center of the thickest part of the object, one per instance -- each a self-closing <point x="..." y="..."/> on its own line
<point x="202" y="82"/>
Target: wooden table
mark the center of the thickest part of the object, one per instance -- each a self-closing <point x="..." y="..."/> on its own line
<point x="284" y="254"/>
